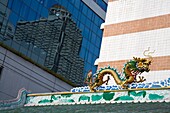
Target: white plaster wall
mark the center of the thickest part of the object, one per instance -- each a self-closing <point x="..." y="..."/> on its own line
<point x="128" y="10"/>
<point x="19" y="73"/>
<point x="122" y="47"/>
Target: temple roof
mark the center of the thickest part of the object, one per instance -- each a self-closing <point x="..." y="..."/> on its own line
<point x="99" y="108"/>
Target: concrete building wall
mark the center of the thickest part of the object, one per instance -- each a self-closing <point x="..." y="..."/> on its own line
<point x="19" y="73"/>
<point x="131" y="27"/>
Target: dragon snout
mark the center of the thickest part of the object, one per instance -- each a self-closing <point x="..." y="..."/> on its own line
<point x="147" y="70"/>
<point x="144" y="69"/>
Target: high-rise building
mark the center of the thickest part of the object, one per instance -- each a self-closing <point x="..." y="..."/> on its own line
<point x="59" y="38"/>
<point x="24" y="72"/>
<point x="88" y="16"/>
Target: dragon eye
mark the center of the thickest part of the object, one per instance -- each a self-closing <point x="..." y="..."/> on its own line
<point x="143" y="60"/>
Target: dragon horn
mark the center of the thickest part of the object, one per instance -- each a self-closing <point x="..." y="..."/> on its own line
<point x="148" y="55"/>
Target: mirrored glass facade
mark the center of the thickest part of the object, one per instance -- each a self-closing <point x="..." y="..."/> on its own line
<point x="12" y="11"/>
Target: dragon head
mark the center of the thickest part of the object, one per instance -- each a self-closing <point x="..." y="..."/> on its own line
<point x="142" y="64"/>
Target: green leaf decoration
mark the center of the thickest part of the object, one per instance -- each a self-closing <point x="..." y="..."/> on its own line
<point x="131" y="93"/>
<point x="108" y="96"/>
<point x="141" y="93"/>
<point x="70" y="100"/>
<point x="53" y="97"/>
<point x="155" y="97"/>
<point x="66" y="95"/>
<point x="124" y="98"/>
<point x="96" y="97"/>
<point x="45" y="101"/>
<point x="84" y="97"/>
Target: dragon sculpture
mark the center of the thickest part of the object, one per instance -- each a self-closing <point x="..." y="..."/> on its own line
<point x="130" y="71"/>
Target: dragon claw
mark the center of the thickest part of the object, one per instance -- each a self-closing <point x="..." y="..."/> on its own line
<point x="141" y="79"/>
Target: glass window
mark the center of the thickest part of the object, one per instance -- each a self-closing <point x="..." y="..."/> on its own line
<point x="15" y="45"/>
<point x="13" y="18"/>
<point x="25" y="44"/>
<point x="76" y="12"/>
<point x="93" y="16"/>
<point x="103" y="5"/>
<point x="65" y="4"/>
<point x="36" y="50"/>
<point x="24" y="11"/>
<point x="93" y="38"/>
<point x="2" y="9"/>
<point x="34" y="4"/>
<point x="7" y="12"/>
<point x="89" y="57"/>
<point x="81" y="26"/>
<point x="4" y="2"/>
<point x="100" y="21"/>
<point x="88" y="44"/>
<point x="94" y="68"/>
<point x="29" y="53"/>
<point x="43" y="54"/>
<point x="28" y="2"/>
<point x="1" y="21"/>
<point x="32" y="15"/>
<point x="91" y="27"/>
<point x="98" y="42"/>
<point x="74" y="18"/>
<point x="100" y="32"/>
<point x="78" y="23"/>
<point x="96" y="20"/>
<point x="10" y="2"/>
<point x="86" y="55"/>
<point x="92" y="47"/>
<point x="34" y="57"/>
<point x="8" y="42"/>
<point x="89" y="36"/>
<point x="72" y="1"/>
<point x="87" y="66"/>
<point x="85" y="8"/>
<point x="3" y="25"/>
<point x="86" y="32"/>
<point x="44" y="12"/>
<point x="95" y="28"/>
<point x="77" y="3"/>
<point x="38" y="17"/>
<point x="83" y="19"/>
<point x="82" y="52"/>
<point x="30" y="46"/>
<point x="94" y="58"/>
<point x="84" y="42"/>
<point x="49" y="3"/>
<point x="41" y="61"/>
<point x="39" y="8"/>
<point x="16" y="6"/>
<point x="70" y="8"/>
<point x="89" y="13"/>
<point x="88" y="23"/>
<point x="96" y="51"/>
<point x="23" y="50"/>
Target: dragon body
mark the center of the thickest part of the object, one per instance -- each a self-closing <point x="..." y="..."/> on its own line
<point x="130" y="71"/>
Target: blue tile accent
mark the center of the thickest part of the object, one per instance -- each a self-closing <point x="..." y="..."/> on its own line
<point x="158" y="84"/>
